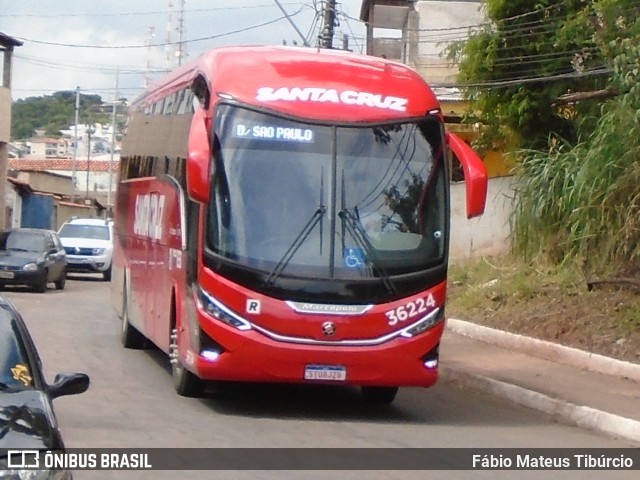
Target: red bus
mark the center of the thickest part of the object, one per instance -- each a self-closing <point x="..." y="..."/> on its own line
<point x="282" y="215"/>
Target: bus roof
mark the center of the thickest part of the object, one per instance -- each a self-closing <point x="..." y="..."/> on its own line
<point x="306" y="82"/>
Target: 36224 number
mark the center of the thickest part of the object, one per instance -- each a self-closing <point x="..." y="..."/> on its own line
<point x="411" y="309"/>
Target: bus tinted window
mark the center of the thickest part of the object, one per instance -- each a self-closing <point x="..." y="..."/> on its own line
<point x="342" y="200"/>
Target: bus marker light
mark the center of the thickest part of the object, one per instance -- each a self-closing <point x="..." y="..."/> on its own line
<point x="211" y="355"/>
<point x="431" y="364"/>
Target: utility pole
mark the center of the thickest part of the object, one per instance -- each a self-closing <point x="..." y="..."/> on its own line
<point x="90" y="131"/>
<point x="113" y="141"/>
<point x="75" y="147"/>
<point x="326" y="37"/>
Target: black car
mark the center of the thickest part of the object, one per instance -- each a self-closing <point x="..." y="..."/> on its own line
<point x="27" y="419"/>
<point x="33" y="257"/>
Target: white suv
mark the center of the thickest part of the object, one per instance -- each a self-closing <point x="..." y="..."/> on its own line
<point x="89" y="245"/>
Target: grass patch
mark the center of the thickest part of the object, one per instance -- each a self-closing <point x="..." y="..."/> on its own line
<point x="550" y="302"/>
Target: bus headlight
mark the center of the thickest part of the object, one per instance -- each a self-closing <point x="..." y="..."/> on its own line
<point x="424" y="324"/>
<point x="216" y="309"/>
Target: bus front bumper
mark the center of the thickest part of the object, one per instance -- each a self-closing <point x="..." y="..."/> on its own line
<point x="253" y="357"/>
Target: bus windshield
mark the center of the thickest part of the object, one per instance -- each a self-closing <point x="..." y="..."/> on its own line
<point x="294" y="199"/>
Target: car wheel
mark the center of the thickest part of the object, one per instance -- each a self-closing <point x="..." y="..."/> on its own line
<point x="130" y="336"/>
<point x="185" y="383"/>
<point x="41" y="284"/>
<point x="379" y="395"/>
<point x="106" y="275"/>
<point x="61" y="281"/>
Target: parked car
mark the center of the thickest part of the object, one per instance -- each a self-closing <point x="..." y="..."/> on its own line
<point x="89" y="245"/>
<point x="33" y="257"/>
<point x="27" y="417"/>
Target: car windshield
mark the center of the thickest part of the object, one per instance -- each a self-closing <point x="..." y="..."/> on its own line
<point x="22" y="241"/>
<point x="352" y="202"/>
<point x="96" y="232"/>
<point x="15" y="372"/>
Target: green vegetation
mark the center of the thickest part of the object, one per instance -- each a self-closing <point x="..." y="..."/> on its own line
<point x="548" y="302"/>
<point x="54" y="113"/>
<point x="531" y="53"/>
<point x="556" y="85"/>
<point x="583" y="201"/>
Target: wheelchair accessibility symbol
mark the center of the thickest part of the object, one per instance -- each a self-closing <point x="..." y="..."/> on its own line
<point x="353" y="257"/>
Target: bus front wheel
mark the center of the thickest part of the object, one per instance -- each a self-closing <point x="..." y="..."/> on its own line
<point x="379" y="395"/>
<point x="185" y="383"/>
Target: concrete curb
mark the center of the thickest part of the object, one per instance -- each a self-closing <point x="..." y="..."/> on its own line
<point x="582" y="416"/>
<point x="547" y="350"/>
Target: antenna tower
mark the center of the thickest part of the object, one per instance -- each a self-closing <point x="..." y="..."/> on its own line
<point x="181" y="52"/>
<point x="150" y="35"/>
<point x="168" y="45"/>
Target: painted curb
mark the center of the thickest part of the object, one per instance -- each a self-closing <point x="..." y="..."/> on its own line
<point x="582" y="416"/>
<point x="547" y="350"/>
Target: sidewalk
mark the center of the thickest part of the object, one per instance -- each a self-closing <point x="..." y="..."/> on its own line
<point x="574" y="386"/>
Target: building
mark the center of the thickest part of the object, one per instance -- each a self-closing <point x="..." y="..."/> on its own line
<point x="44" y="147"/>
<point x="43" y="198"/>
<point x="7" y="44"/>
<point x="95" y="178"/>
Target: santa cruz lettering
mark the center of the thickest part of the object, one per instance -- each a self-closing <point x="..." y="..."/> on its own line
<point x="330" y="95"/>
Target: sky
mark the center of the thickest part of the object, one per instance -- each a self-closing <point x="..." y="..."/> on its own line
<point x="114" y="48"/>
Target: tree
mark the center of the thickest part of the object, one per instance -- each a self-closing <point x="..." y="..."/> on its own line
<point x="53" y="113"/>
<point x="527" y="55"/>
<point x="581" y="201"/>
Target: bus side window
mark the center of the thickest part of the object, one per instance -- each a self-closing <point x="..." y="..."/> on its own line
<point x="179" y="109"/>
<point x="169" y="104"/>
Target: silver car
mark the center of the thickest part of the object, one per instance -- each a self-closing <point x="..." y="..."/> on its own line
<point x="88" y="243"/>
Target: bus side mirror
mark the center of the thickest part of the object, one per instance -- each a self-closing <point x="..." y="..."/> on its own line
<point x="199" y="158"/>
<point x="475" y="174"/>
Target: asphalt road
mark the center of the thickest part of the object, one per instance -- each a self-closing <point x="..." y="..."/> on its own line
<point x="131" y="403"/>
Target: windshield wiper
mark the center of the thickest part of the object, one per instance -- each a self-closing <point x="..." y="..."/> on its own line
<point x="295" y="245"/>
<point x="355" y="229"/>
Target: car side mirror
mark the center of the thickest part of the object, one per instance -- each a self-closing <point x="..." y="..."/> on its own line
<point x="69" y="384"/>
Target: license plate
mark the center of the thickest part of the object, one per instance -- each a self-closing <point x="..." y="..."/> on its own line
<point x="325" y="372"/>
<point x="6" y="274"/>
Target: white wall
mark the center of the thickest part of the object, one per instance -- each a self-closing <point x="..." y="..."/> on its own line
<point x="485" y="235"/>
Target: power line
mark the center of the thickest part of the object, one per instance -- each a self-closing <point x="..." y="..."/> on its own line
<point x="517" y="81"/>
<point x="116" y="47"/>
<point x="129" y="14"/>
